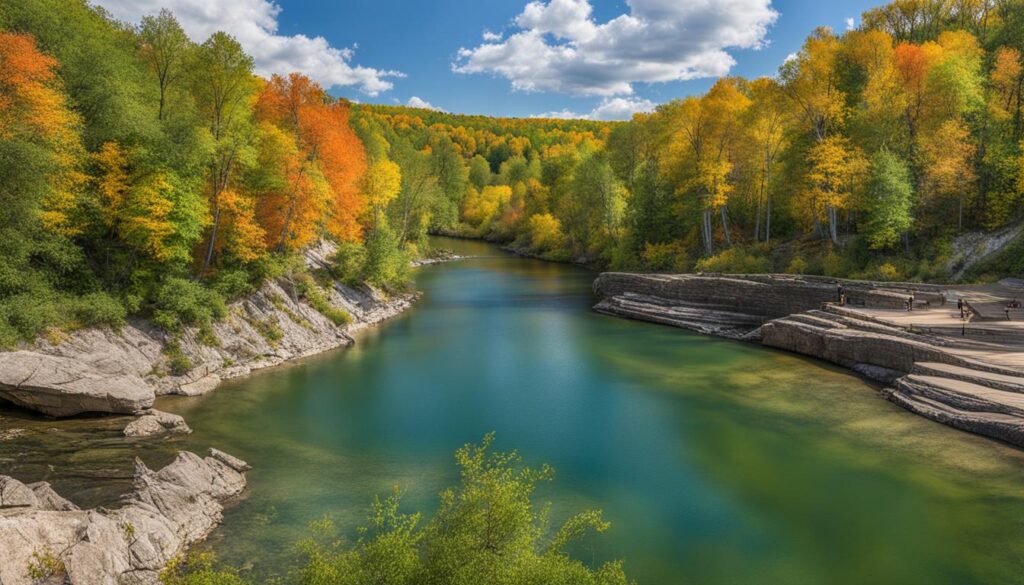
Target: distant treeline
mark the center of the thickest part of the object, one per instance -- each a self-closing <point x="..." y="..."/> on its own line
<point x="142" y="172"/>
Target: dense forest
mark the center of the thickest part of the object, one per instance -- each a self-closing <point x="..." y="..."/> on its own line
<point x="865" y="156"/>
<point x="145" y="173"/>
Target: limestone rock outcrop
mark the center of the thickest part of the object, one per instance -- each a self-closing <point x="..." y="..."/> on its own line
<point x="101" y="370"/>
<point x="43" y="536"/>
<point x="62" y="386"/>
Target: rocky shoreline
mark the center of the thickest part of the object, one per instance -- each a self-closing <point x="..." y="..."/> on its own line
<point x="949" y="378"/>
<point x="45" y="538"/>
<point x="123" y="371"/>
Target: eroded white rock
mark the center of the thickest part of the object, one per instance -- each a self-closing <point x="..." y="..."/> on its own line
<point x="168" y="511"/>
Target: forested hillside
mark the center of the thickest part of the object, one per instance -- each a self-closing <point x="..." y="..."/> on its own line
<point x="142" y="172"/>
<point x="865" y="156"/>
<point x="145" y="173"/>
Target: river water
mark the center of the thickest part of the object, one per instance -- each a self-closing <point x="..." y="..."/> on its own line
<point x="716" y="462"/>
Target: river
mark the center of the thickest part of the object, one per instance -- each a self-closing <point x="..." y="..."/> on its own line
<point x="716" y="462"/>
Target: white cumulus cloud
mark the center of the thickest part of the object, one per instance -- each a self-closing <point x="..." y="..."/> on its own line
<point x="560" y="47"/>
<point x="491" y="36"/>
<point x="417" y="102"/>
<point x="609" y="109"/>
<point x="254" y="24"/>
<point x="851" y="23"/>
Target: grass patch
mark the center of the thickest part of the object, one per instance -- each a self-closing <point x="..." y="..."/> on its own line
<point x="269" y="329"/>
<point x="316" y="298"/>
<point x="178" y="364"/>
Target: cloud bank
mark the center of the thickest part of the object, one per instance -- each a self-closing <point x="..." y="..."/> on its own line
<point x="417" y="102"/>
<point x="559" y="47"/>
<point x="254" y="24"/>
<point x="609" y="109"/>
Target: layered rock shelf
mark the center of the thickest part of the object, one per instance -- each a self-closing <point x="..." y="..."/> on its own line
<point x="926" y="360"/>
<point x="45" y="538"/>
<point x="122" y="371"/>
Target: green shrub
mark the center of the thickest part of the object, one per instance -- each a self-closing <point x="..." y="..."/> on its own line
<point x="177" y="362"/>
<point x="797" y="265"/>
<point x="99" y="309"/>
<point x="184" y="303"/>
<point x="313" y="295"/>
<point x="233" y="284"/>
<point x="664" y="257"/>
<point x="735" y="261"/>
<point x="44" y="565"/>
<point x="198" y="569"/>
<point x="269" y="329"/>
<point x="485" y="526"/>
<point x="30" y="315"/>
<point x="386" y="265"/>
<point x="888" y="272"/>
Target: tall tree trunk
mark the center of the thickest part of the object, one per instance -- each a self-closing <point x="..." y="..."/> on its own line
<point x="725" y="225"/>
<point x="213" y="238"/>
<point x="832" y="228"/>
<point x="284" y="227"/>
<point x="709" y="247"/>
<point x="757" y="219"/>
<point x="768" y="218"/>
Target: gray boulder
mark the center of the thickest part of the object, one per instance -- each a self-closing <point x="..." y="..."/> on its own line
<point x="59" y="386"/>
<point x="157" y="422"/>
<point x="168" y="511"/>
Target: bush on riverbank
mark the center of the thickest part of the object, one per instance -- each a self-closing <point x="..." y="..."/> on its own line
<point x="486" y="530"/>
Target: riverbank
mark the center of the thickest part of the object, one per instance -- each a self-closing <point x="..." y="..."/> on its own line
<point x="968" y="374"/>
<point x="45" y="536"/>
<point x="48" y="539"/>
<point x="123" y="371"/>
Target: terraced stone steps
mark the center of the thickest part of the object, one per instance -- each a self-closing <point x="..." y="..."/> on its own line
<point x="964" y="396"/>
<point x="700" y="317"/>
<point x="1006" y="382"/>
<point x="1005" y="427"/>
<point x="923" y="363"/>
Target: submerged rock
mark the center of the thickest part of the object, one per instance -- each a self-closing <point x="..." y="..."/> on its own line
<point x="157" y="422"/>
<point x="46" y="537"/>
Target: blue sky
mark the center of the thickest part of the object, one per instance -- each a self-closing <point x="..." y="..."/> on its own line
<point x="365" y="42"/>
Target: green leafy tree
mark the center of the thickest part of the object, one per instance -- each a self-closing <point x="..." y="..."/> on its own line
<point x="166" y="47"/>
<point x="479" y="172"/>
<point x="889" y="200"/>
<point x="222" y="81"/>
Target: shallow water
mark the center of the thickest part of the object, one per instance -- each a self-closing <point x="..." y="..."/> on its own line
<point x="717" y="462"/>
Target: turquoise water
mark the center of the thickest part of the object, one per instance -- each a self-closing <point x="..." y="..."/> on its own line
<point x="716" y="462"/>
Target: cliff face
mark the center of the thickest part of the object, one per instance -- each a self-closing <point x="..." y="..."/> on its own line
<point x="102" y="370"/>
<point x="926" y="370"/>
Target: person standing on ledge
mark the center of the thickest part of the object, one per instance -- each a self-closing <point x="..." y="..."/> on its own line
<point x="960" y="307"/>
<point x="910" y="303"/>
<point x="840" y="294"/>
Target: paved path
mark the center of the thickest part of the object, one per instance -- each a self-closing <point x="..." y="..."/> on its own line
<point x="996" y="342"/>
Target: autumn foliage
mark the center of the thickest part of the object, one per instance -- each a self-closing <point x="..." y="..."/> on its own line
<point x="322" y="159"/>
